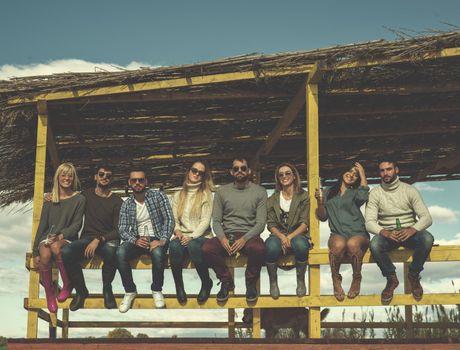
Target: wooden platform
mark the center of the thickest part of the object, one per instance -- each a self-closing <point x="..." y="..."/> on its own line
<point x="239" y="344"/>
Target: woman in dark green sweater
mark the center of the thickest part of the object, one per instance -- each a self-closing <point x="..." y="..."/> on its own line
<point x="287" y="221"/>
<point x="341" y="205"/>
<point x="60" y="222"/>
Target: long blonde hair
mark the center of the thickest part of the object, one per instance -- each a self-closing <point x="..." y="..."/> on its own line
<point x="64" y="168"/>
<point x="203" y="193"/>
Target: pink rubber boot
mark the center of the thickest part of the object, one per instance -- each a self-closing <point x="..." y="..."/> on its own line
<point x="45" y="276"/>
<point x="66" y="288"/>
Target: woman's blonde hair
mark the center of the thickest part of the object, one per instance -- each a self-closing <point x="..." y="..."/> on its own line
<point x="64" y="168"/>
<point x="295" y="173"/>
<point x="202" y="195"/>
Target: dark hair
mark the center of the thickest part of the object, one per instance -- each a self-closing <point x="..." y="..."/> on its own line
<point x="102" y="166"/>
<point x="388" y="160"/>
<point x="241" y="158"/>
<point x="137" y="169"/>
<point x="335" y="188"/>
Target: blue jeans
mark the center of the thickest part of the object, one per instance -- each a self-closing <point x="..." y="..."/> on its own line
<point x="128" y="251"/>
<point x="74" y="253"/>
<point x="421" y="242"/>
<point x="177" y="252"/>
<point x="299" y="244"/>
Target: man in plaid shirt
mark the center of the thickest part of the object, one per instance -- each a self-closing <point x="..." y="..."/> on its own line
<point x="145" y="226"/>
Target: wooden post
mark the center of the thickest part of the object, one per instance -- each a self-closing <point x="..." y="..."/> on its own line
<point x="231" y="312"/>
<point x="65" y="323"/>
<point x="39" y="186"/>
<point x="408" y="316"/>
<point x="312" y="134"/>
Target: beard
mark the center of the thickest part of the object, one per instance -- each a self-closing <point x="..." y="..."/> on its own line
<point x="240" y="179"/>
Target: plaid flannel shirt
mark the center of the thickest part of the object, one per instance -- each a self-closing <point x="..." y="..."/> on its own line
<point x="160" y="213"/>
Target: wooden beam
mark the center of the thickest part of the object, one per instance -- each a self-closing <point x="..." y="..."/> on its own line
<point x="312" y="145"/>
<point x="388" y="111"/>
<point x="176" y="96"/>
<point x="289" y="115"/>
<point x="163" y="84"/>
<point x="237" y="301"/>
<point x="39" y="187"/>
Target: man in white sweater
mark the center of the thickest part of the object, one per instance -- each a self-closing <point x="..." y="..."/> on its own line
<point x="397" y="216"/>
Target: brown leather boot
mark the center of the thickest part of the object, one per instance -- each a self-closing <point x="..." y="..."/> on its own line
<point x="387" y="293"/>
<point x="355" y="288"/>
<point x="335" y="261"/>
<point x="415" y="286"/>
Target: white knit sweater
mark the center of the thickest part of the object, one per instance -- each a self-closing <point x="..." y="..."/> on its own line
<point x="189" y="225"/>
<point x="396" y="200"/>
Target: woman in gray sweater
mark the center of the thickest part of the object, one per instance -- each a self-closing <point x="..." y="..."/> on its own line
<point x="60" y="222"/>
<point x="287" y="221"/>
<point x="341" y="205"/>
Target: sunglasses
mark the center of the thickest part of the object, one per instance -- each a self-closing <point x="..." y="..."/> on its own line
<point x="102" y="174"/>
<point x="287" y="173"/>
<point x="243" y="168"/>
<point x="195" y="171"/>
<point x="133" y="180"/>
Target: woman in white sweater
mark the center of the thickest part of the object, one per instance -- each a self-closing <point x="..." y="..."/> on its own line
<point x="192" y="207"/>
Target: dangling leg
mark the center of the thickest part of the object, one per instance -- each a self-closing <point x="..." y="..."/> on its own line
<point x="46" y="278"/>
<point x="356" y="247"/>
<point x="337" y="247"/>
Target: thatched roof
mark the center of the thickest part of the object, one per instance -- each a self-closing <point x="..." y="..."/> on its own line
<point x="375" y="98"/>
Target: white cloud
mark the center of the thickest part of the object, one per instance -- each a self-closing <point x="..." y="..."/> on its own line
<point x="423" y="186"/>
<point x="73" y="65"/>
<point x="455" y="241"/>
<point x="443" y="215"/>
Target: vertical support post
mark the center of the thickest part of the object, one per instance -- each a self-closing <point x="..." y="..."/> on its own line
<point x="312" y="133"/>
<point x="256" y="317"/>
<point x="231" y="312"/>
<point x="408" y="316"/>
<point x="39" y="186"/>
<point x="65" y="323"/>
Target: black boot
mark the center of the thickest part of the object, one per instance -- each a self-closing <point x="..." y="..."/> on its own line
<point x="109" y="299"/>
<point x="251" y="291"/>
<point x="78" y="282"/>
<point x="78" y="300"/>
<point x="225" y="288"/>
<point x="206" y="284"/>
<point x="180" y="292"/>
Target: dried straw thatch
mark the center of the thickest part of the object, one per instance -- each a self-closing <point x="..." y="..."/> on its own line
<point x="409" y="107"/>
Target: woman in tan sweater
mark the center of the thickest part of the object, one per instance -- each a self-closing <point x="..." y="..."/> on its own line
<point x="192" y="207"/>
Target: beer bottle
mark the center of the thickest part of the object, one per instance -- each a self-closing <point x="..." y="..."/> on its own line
<point x="398" y="224"/>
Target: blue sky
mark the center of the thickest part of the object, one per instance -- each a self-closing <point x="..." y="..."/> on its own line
<point x="56" y="36"/>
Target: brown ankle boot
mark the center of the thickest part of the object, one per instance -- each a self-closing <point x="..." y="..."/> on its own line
<point x="355" y="288"/>
<point x="335" y="261"/>
<point x="387" y="293"/>
<point x="415" y="286"/>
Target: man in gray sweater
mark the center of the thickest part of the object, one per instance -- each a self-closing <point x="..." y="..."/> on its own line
<point x="238" y="218"/>
<point x="397" y="216"/>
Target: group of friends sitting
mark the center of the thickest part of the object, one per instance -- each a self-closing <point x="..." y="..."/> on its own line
<point x="147" y="222"/>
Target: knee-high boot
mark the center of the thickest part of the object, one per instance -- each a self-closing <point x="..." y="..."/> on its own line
<point x="335" y="262"/>
<point x="45" y="276"/>
<point x="66" y="286"/>
<point x="179" y="282"/>
<point x="355" y="288"/>
<point x="206" y="284"/>
<point x="301" y="268"/>
<point x="272" y="269"/>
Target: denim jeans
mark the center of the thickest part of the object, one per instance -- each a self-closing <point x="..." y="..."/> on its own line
<point x="128" y="251"/>
<point x="421" y="242"/>
<point x="299" y="245"/>
<point x="177" y="252"/>
<point x="73" y="253"/>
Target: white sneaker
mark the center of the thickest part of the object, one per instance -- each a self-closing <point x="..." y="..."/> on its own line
<point x="158" y="299"/>
<point x="127" y="302"/>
